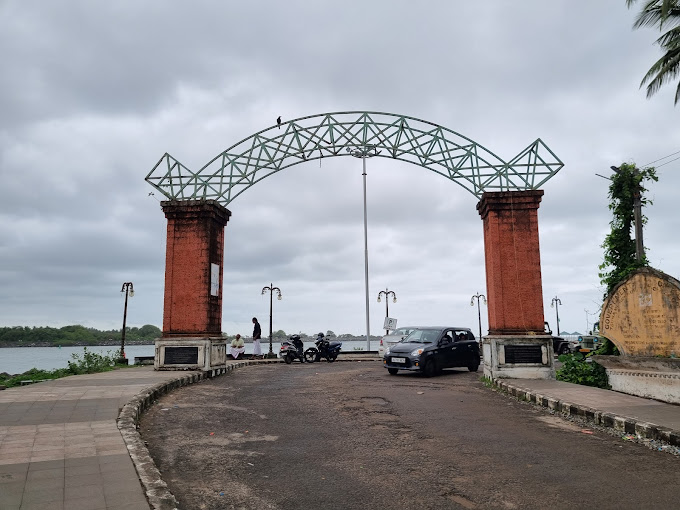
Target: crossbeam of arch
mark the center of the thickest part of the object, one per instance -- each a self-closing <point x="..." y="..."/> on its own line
<point x="388" y="135"/>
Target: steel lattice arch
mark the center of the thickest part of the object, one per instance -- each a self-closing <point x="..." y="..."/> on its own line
<point x="387" y="135"/>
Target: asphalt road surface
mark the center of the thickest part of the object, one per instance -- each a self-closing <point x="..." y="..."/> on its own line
<point x="347" y="435"/>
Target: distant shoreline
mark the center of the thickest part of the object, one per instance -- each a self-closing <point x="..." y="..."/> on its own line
<point x="78" y="344"/>
<point x="115" y="343"/>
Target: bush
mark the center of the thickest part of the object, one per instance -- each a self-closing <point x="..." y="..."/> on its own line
<point x="577" y="370"/>
<point x="91" y="362"/>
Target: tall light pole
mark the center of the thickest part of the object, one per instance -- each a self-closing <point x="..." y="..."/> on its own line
<point x="271" y="289"/>
<point x="129" y="291"/>
<point x="555" y="303"/>
<point x="478" y="296"/>
<point x="364" y="152"/>
<point x="387" y="294"/>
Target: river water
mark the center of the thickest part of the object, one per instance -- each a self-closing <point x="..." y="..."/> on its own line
<point x="16" y="360"/>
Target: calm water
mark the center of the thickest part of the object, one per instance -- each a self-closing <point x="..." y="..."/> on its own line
<point x="16" y="360"/>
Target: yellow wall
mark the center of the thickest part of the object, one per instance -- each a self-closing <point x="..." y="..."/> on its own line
<point x="642" y="315"/>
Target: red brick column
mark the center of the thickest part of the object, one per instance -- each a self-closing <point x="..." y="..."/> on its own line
<point x="192" y="307"/>
<point x="513" y="261"/>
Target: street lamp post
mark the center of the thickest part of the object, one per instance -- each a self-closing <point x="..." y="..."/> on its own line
<point x="128" y="288"/>
<point x="478" y="296"/>
<point x="555" y="303"/>
<point x="387" y="294"/>
<point x="364" y="152"/>
<point x="271" y="289"/>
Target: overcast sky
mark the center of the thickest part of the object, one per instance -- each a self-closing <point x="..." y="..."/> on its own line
<point x="93" y="93"/>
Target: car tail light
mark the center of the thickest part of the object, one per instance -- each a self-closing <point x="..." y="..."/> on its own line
<point x="381" y="342"/>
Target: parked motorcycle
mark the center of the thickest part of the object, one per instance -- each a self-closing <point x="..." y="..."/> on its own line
<point x="323" y="349"/>
<point x="292" y="349"/>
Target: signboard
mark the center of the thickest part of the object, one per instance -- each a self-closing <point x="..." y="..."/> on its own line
<point x="181" y="355"/>
<point x="523" y="354"/>
<point x="214" y="279"/>
<point x="390" y="323"/>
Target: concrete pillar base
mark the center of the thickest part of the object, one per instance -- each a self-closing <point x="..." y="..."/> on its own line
<point x="190" y="353"/>
<point x="518" y="357"/>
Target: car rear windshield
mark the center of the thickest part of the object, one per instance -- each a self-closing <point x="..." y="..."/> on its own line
<point x="422" y="336"/>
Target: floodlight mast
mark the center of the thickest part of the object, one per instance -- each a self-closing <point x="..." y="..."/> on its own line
<point x="364" y="153"/>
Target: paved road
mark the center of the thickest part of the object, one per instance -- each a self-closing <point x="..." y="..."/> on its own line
<point x="349" y="436"/>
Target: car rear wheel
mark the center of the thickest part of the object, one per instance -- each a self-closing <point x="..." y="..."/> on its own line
<point x="474" y="365"/>
<point x="392" y="371"/>
<point x="430" y="368"/>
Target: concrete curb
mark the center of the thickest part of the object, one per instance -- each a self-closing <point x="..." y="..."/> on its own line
<point x="621" y="423"/>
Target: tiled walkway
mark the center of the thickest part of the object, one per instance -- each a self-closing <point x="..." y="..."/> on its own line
<point x="60" y="447"/>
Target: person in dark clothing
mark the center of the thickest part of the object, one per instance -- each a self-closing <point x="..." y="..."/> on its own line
<point x="257" y="335"/>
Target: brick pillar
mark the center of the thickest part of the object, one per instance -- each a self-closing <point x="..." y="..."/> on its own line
<point x="194" y="258"/>
<point x="513" y="261"/>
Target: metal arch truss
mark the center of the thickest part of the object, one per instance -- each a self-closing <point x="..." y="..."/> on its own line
<point x="387" y="135"/>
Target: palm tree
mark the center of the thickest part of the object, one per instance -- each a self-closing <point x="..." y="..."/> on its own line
<point x="662" y="13"/>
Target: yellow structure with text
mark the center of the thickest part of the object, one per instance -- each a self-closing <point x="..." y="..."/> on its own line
<point x="642" y="315"/>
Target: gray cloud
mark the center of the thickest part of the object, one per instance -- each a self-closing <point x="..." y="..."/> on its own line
<point x="93" y="94"/>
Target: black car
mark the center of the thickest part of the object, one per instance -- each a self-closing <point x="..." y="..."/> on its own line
<point x="429" y="350"/>
<point x="560" y="345"/>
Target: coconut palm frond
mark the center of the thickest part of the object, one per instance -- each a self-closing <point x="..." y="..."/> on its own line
<point x="664" y="70"/>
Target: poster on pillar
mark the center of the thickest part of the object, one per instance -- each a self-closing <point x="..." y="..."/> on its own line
<point x="214" y="279"/>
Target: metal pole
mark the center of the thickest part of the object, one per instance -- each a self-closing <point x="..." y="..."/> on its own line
<point x="387" y="310"/>
<point x="557" y="312"/>
<point x="479" y="318"/>
<point x="368" y="325"/>
<point x="129" y="290"/>
<point x="637" y="212"/>
<point x="122" y="336"/>
<point x="271" y="303"/>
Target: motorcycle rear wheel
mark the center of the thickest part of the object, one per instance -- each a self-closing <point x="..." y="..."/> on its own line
<point x="288" y="359"/>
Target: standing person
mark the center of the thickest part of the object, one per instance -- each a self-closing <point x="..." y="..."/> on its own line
<point x="257" y="335"/>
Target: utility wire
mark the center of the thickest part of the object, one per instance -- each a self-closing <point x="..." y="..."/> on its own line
<point x="678" y="152"/>
<point x="662" y="164"/>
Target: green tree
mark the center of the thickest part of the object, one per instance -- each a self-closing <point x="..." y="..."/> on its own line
<point x="619" y="246"/>
<point x="666" y="15"/>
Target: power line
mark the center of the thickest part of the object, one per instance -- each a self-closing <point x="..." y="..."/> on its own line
<point x="678" y="152"/>
<point x="662" y="164"/>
